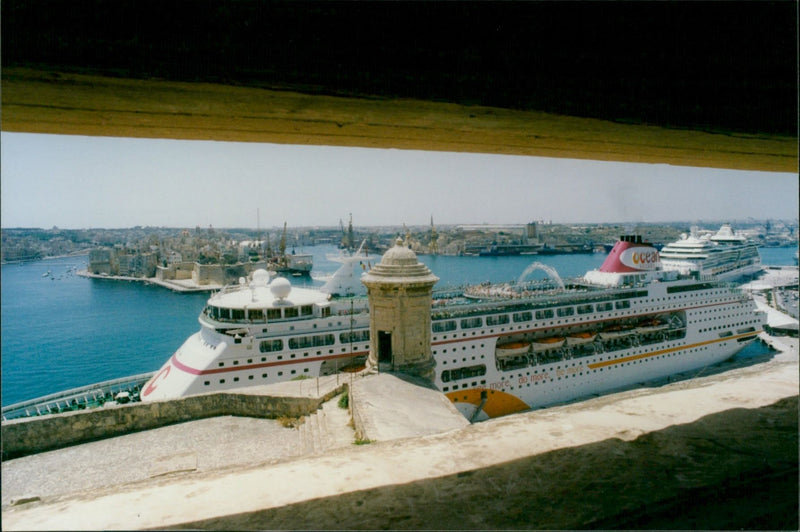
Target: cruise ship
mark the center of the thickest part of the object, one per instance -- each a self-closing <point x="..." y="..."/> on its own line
<point x="496" y="349"/>
<point x="726" y="255"/>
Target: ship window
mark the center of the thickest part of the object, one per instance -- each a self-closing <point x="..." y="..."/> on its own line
<point x="268" y="346"/>
<point x="306" y="310"/>
<point x="623" y="304"/>
<point x="463" y="373"/>
<point x="256" y="314"/>
<point x="471" y="323"/>
<point x="355" y="336"/>
<point x="543" y="314"/>
<point x="273" y="313"/>
<point x="318" y="340"/>
<point x="237" y="313"/>
<point x="225" y="313"/>
<point x="443" y="326"/>
<point x="565" y="311"/>
<point x="497" y="319"/>
<point x="522" y="316"/>
<point x="602" y="307"/>
<point x="290" y="312"/>
<point x="585" y="309"/>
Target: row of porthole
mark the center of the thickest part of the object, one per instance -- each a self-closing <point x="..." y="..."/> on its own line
<point x="601" y="369"/>
<point x="463" y="386"/>
<point x="250" y="377"/>
<point x="456" y="361"/>
<point x="293" y="355"/>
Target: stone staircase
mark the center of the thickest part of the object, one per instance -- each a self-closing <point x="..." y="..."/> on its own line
<point x="327" y="428"/>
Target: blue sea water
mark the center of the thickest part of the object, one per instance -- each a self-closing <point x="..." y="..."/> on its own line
<point x="62" y="331"/>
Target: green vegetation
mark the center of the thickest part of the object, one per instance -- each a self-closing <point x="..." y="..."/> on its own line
<point x="344" y="400"/>
<point x="291" y="422"/>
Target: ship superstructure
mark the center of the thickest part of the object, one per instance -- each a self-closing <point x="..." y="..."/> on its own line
<point x="496" y="349"/>
<point x="726" y="255"/>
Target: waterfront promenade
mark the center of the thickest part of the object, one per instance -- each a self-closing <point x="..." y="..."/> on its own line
<point x="643" y="448"/>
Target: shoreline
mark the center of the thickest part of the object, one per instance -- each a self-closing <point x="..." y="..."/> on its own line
<point x="83" y="253"/>
<point x="187" y="286"/>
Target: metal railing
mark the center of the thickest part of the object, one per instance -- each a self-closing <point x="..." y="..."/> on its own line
<point x="75" y="398"/>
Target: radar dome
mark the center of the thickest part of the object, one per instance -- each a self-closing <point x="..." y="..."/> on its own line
<point x="261" y="277"/>
<point x="280" y="287"/>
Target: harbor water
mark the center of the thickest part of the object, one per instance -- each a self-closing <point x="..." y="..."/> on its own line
<point x="62" y="331"/>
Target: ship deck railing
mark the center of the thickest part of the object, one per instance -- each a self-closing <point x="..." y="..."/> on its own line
<point x="73" y="398"/>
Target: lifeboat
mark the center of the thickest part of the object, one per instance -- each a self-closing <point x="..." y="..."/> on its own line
<point x="616" y="331"/>
<point x="652" y="326"/>
<point x="543" y="344"/>
<point x="580" y="338"/>
<point x="513" y="349"/>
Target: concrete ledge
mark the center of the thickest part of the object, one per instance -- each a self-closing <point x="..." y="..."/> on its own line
<point x="388" y="407"/>
<point x="586" y="464"/>
<point x="26" y="436"/>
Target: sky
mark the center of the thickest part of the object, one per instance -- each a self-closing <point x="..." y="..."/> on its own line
<point x="76" y="182"/>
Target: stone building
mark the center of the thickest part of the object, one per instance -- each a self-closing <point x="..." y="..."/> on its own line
<point x="399" y="290"/>
<point x="103" y="261"/>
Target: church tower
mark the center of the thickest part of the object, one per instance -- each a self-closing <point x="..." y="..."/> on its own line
<point x="399" y="290"/>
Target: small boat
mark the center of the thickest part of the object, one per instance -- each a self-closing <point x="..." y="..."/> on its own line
<point x="651" y="326"/>
<point x="616" y="331"/>
<point x="513" y="349"/>
<point x="543" y="344"/>
<point x="580" y="338"/>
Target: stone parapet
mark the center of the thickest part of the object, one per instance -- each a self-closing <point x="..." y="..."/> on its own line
<point x="35" y="435"/>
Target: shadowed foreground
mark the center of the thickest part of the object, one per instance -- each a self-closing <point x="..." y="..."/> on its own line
<point x="737" y="469"/>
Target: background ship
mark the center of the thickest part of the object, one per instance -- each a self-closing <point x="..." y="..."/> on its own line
<point x="725" y="255"/>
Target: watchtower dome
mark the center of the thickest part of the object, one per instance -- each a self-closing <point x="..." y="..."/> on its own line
<point x="399" y="290"/>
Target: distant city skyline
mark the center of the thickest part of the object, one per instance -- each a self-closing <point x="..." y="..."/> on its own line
<point x="76" y="182"/>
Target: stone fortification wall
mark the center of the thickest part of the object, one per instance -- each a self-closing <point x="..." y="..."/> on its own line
<point x="175" y="272"/>
<point x="34" y="435"/>
<point x="204" y="274"/>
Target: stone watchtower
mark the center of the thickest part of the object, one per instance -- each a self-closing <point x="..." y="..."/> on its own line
<point x="399" y="290"/>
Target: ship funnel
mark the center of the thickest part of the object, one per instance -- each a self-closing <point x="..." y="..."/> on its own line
<point x="630" y="254"/>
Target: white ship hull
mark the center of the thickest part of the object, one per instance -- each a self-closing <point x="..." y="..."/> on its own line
<point x="209" y="361"/>
<point x="628" y="329"/>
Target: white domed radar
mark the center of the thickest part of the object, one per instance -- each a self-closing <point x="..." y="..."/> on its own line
<point x="261" y="277"/>
<point x="280" y="287"/>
